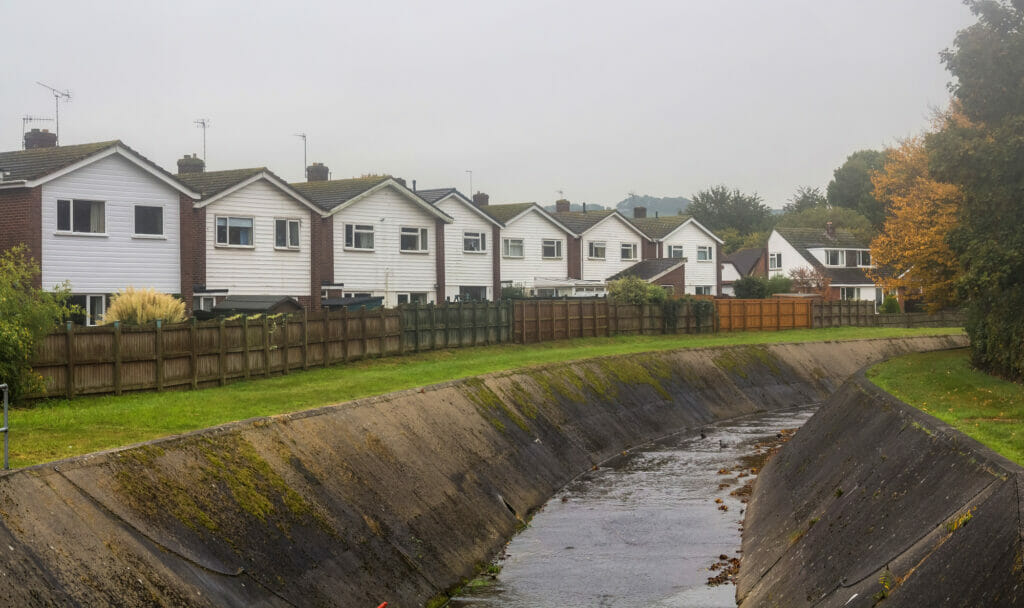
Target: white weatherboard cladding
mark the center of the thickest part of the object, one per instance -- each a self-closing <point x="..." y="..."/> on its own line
<point x="533" y="229"/>
<point x="791" y="258"/>
<point x="105" y="264"/>
<point x="261" y="270"/>
<point x="729" y="273"/>
<point x="614" y="233"/>
<point x="462" y="268"/>
<point x="386" y="271"/>
<point x="697" y="272"/>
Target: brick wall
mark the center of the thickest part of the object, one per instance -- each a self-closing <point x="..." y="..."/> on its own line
<point x="496" y="262"/>
<point x="316" y="249"/>
<point x="187" y="249"/>
<point x="575" y="261"/>
<point x="21" y="215"/>
<point x="650" y="250"/>
<point x="327" y="249"/>
<point x="675" y="278"/>
<point x="439" y="260"/>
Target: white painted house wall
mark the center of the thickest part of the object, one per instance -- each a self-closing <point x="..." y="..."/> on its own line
<point x="791" y="258"/>
<point x="697" y="272"/>
<point x="614" y="232"/>
<point x="466" y="268"/>
<point x="261" y="269"/>
<point x="386" y="271"/>
<point x="102" y="264"/>
<point x="533" y="228"/>
<point x="729" y="274"/>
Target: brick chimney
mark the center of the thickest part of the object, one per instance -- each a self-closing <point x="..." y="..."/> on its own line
<point x="639" y="212"/>
<point x="562" y="206"/>
<point x="481" y="200"/>
<point x="191" y="164"/>
<point x="40" y="139"/>
<point x="830" y="230"/>
<point x="317" y="172"/>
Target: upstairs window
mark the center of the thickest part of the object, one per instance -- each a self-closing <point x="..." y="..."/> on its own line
<point x="596" y="250"/>
<point x="629" y="251"/>
<point x="234" y="231"/>
<point x="774" y="261"/>
<point x="84" y="217"/>
<point x="512" y="248"/>
<point x="675" y="251"/>
<point x="286" y="234"/>
<point x="704" y="253"/>
<point x="474" y="242"/>
<point x="835" y="257"/>
<point x="359" y="236"/>
<point x="413" y="240"/>
<point x="863" y="258"/>
<point x="551" y="249"/>
<point x="149" y="221"/>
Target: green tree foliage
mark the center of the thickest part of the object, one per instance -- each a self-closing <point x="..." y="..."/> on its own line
<point x="663" y="205"/>
<point x="981" y="150"/>
<point x="817" y="217"/>
<point x="806" y="197"/>
<point x="719" y="208"/>
<point x="851" y="186"/>
<point x="733" y="241"/>
<point x="27" y="314"/>
<point x="758" y="287"/>
<point x="890" y="305"/>
<point x="634" y="290"/>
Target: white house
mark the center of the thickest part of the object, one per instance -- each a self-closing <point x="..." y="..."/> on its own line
<point x="257" y="236"/>
<point x="98" y="216"/>
<point x="681" y="236"/>
<point x="836" y="254"/>
<point x="534" y="250"/>
<point x="608" y="243"/>
<point x="385" y="239"/>
<point x="470" y="244"/>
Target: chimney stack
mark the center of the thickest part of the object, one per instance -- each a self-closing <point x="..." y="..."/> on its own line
<point x="40" y="139"/>
<point x="317" y="172"/>
<point x="639" y="212"/>
<point x="414" y="185"/>
<point x="562" y="206"/>
<point x="191" y="164"/>
<point x="830" y="230"/>
<point x="481" y="200"/>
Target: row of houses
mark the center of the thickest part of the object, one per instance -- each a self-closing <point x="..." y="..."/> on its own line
<point x="103" y="217"/>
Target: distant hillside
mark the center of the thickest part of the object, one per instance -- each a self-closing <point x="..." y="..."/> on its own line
<point x="666" y="205"/>
<point x="578" y="207"/>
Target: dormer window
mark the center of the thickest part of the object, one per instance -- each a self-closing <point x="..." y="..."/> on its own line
<point x="835" y="257"/>
<point x="863" y="258"/>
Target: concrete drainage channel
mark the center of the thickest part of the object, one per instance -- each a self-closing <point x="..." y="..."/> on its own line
<point x="395" y="498"/>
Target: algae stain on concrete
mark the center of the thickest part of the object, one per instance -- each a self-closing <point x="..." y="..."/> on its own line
<point x="489" y="404"/>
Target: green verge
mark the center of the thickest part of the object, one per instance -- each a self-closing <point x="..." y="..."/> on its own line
<point x="944" y="385"/>
<point x="58" y="428"/>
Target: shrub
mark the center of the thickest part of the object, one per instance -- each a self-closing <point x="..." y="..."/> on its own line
<point x="634" y="290"/>
<point x="140" y="306"/>
<point x="27" y="314"/>
<point x="510" y="293"/>
<point x="890" y="305"/>
<point x="779" y="284"/>
<point x="750" y="288"/>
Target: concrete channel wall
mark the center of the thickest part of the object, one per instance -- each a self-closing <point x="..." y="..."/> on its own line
<point x="394" y="498"/>
<point x="874" y="502"/>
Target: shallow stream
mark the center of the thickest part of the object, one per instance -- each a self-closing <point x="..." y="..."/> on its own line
<point x="643" y="529"/>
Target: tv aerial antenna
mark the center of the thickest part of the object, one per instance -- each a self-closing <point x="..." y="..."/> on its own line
<point x="24" y="125"/>
<point x="204" y="124"/>
<point x="58" y="95"/>
<point x="305" y="163"/>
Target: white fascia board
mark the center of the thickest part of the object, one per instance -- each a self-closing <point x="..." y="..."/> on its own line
<point x="544" y="214"/>
<point x="470" y="204"/>
<point x="697" y="224"/>
<point x="409" y="194"/>
<point x="283" y="187"/>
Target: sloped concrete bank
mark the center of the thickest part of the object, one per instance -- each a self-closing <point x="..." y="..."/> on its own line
<point x="874" y="502"/>
<point x="393" y="498"/>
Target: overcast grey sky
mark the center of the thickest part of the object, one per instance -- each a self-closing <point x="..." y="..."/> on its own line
<point x="594" y="98"/>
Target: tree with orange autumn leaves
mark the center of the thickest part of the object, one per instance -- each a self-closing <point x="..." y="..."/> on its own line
<point x="912" y="251"/>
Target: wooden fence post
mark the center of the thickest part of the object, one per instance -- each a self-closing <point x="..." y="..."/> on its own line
<point x="194" y="361"/>
<point x="305" y="339"/>
<point x="222" y="359"/>
<point x="266" y="346"/>
<point x="159" y="359"/>
<point x="245" y="346"/>
<point x="416" y="326"/>
<point x="383" y="332"/>
<point x="69" y="341"/>
<point x="362" y="333"/>
<point x="344" y="334"/>
<point x="117" y="357"/>
<point x="286" y="350"/>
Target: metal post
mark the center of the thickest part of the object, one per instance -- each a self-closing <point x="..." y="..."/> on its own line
<point x="7" y="463"/>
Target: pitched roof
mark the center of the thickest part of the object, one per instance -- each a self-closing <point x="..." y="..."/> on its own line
<point x="658" y="227"/>
<point x="745" y="259"/>
<point x="38" y="162"/>
<point x="329" y="194"/>
<point x="649" y="269"/>
<point x="581" y="221"/>
<point x="211" y="183"/>
<point x="432" y="195"/>
<point x="804" y="239"/>
<point x="503" y="213"/>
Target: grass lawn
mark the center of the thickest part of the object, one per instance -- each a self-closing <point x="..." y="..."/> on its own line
<point x="59" y="428"/>
<point x="944" y="385"/>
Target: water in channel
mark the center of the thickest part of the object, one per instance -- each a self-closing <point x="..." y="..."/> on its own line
<point x="641" y="530"/>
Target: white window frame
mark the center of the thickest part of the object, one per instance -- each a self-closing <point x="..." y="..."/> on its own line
<point x="413" y="297"/>
<point x="421" y="235"/>
<point x="702" y="290"/>
<point x="775" y="261"/>
<point x="205" y="303"/>
<point x="860" y="259"/>
<point x="70" y="230"/>
<point x="840" y="257"/>
<point x="631" y="248"/>
<point x="597" y="250"/>
<point x="707" y="251"/>
<point x="506" y="248"/>
<point x="145" y="235"/>
<point x="352" y="230"/>
<point x="556" y="243"/>
<point x="480" y="238"/>
<point x="227" y="231"/>
<point x="846" y="292"/>
<point x="670" y="290"/>
<point x="672" y="249"/>
<point x="288" y="222"/>
<point x="92" y="316"/>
